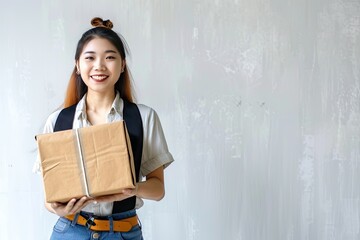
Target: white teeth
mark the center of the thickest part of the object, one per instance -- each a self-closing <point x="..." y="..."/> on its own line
<point x="99" y="78"/>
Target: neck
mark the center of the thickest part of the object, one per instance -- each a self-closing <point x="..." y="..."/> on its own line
<point x="99" y="102"/>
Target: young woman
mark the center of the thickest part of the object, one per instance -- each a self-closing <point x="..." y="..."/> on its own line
<point x="99" y="91"/>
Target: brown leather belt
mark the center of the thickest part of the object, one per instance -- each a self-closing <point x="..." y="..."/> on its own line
<point x="123" y="225"/>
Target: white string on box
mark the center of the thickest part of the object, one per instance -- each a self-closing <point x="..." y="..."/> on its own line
<point x="82" y="163"/>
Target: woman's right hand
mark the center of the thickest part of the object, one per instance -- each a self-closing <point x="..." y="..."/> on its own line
<point x="71" y="207"/>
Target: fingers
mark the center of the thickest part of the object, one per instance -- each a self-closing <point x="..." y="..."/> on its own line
<point x="59" y="208"/>
<point x="70" y="205"/>
<point x="75" y="206"/>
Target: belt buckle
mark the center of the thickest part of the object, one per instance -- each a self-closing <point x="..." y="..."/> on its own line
<point x="90" y="222"/>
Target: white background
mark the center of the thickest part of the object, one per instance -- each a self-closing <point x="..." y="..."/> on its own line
<point x="259" y="101"/>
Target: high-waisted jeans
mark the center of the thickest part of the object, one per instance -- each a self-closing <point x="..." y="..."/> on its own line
<point x="65" y="229"/>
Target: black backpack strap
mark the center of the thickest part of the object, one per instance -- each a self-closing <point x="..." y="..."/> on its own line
<point x="134" y="126"/>
<point x="65" y="119"/>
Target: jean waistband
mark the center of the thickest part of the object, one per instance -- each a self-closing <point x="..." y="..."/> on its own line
<point x="116" y="216"/>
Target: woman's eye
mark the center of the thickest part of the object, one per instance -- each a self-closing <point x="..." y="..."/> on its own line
<point x="110" y="57"/>
<point x="89" y="58"/>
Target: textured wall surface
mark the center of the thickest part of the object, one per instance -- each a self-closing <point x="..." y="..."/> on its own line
<point x="259" y="101"/>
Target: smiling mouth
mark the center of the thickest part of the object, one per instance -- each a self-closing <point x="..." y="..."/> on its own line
<point x="99" y="78"/>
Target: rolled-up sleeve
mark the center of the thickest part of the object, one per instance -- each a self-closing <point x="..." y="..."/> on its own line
<point x="155" y="149"/>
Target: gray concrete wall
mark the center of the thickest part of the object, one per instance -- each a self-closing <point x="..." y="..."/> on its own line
<point x="259" y="101"/>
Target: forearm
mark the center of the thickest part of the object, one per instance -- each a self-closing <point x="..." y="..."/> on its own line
<point x="152" y="188"/>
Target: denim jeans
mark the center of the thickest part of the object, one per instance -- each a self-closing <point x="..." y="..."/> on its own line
<point x="65" y="229"/>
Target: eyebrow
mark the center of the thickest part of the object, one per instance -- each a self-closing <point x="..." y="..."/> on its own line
<point x="107" y="51"/>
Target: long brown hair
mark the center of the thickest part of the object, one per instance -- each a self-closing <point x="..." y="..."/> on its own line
<point x="76" y="86"/>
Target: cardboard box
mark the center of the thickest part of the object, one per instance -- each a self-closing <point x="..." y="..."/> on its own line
<point x="93" y="161"/>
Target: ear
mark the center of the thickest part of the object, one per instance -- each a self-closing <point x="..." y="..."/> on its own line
<point x="123" y="65"/>
<point x="77" y="65"/>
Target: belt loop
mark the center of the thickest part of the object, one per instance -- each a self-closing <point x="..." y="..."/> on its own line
<point x="139" y="222"/>
<point x="111" y="224"/>
<point x="74" y="221"/>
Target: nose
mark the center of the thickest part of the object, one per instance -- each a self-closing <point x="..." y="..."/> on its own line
<point x="99" y="65"/>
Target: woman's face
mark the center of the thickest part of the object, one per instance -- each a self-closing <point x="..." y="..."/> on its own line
<point x="100" y="65"/>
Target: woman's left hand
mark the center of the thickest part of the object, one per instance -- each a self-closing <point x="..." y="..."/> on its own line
<point x="126" y="193"/>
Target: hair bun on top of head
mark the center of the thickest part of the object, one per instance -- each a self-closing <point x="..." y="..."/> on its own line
<point x="99" y="22"/>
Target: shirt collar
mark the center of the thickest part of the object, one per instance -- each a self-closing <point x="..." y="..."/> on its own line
<point x="81" y="108"/>
<point x="116" y="106"/>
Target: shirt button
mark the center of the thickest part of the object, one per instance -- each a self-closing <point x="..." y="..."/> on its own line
<point x="96" y="235"/>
